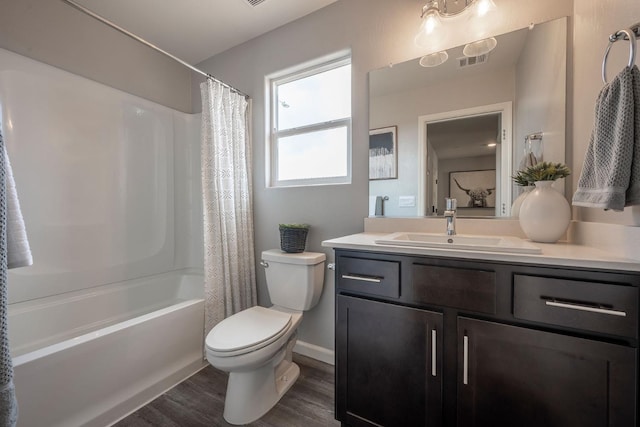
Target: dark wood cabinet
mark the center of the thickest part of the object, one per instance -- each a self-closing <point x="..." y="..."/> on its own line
<point x="514" y="376"/>
<point x="389" y="368"/>
<point x="435" y="341"/>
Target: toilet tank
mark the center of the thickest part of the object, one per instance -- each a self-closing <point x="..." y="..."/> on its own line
<point x="294" y="281"/>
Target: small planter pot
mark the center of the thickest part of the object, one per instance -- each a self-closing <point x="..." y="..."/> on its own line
<point x="544" y="214"/>
<point x="293" y="239"/>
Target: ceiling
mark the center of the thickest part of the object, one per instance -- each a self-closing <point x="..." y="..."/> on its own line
<point x="195" y="30"/>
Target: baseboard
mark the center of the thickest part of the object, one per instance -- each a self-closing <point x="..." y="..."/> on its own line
<point x="315" y="352"/>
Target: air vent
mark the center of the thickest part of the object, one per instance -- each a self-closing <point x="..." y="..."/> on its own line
<point x="471" y="61"/>
<point x="254" y="3"/>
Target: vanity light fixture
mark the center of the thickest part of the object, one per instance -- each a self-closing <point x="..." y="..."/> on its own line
<point x="491" y="144"/>
<point x="434" y="59"/>
<point x="435" y="11"/>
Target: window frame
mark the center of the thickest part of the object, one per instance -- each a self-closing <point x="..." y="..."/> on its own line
<point x="298" y="73"/>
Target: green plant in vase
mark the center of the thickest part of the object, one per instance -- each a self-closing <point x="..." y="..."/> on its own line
<point x="545" y="213"/>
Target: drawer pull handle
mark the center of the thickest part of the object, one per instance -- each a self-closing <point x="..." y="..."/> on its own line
<point x="465" y="360"/>
<point x="433" y="353"/>
<point x="372" y="279"/>
<point x="586" y="308"/>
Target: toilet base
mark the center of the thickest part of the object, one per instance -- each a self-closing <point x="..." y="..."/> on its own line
<point x="252" y="394"/>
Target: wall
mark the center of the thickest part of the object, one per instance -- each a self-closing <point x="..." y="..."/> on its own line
<point x="595" y="20"/>
<point x="104" y="180"/>
<point x="52" y="32"/>
<point x="378" y="32"/>
<point x="403" y="110"/>
<point x="540" y="91"/>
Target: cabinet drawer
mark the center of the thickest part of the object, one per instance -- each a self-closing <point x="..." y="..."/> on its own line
<point x="369" y="276"/>
<point x="598" y="307"/>
<point x="467" y="289"/>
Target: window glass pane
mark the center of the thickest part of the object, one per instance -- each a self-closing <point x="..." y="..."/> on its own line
<point x="320" y="154"/>
<point x="315" y="99"/>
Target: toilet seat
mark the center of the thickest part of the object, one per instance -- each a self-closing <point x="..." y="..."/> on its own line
<point x="247" y="331"/>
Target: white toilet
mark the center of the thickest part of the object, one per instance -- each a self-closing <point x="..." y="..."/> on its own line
<point x="256" y="344"/>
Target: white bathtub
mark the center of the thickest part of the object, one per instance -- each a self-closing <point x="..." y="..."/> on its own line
<point x="91" y="357"/>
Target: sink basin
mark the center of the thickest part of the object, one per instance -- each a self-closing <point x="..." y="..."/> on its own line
<point x="506" y="244"/>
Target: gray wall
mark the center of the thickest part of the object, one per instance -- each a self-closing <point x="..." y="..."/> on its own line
<point x="52" y="32"/>
<point x="378" y="32"/>
<point x="540" y="91"/>
<point x="595" y="20"/>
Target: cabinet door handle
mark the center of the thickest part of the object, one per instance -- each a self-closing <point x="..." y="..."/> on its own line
<point x="465" y="360"/>
<point x="372" y="279"/>
<point x="433" y="353"/>
<point x="585" y="308"/>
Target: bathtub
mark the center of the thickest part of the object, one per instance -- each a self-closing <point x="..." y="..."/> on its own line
<point x="90" y="357"/>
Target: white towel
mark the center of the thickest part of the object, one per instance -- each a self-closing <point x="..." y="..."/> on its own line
<point x="18" y="250"/>
<point x="610" y="177"/>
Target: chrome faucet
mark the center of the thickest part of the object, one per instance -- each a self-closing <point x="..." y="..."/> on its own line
<point x="451" y="205"/>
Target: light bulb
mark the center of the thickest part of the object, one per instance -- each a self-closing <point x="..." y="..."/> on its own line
<point x="484" y="6"/>
<point x="431" y="22"/>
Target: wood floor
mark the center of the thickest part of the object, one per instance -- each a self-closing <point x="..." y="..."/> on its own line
<point x="199" y="401"/>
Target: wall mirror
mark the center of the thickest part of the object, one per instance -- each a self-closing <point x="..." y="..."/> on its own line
<point x="461" y="126"/>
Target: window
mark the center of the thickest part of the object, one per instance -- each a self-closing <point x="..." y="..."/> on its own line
<point x="310" y="138"/>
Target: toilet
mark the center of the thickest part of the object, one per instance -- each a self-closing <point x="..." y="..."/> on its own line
<point x="255" y="345"/>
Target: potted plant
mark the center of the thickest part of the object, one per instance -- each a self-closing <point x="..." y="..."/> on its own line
<point x="293" y="237"/>
<point x="547" y="171"/>
<point x="545" y="213"/>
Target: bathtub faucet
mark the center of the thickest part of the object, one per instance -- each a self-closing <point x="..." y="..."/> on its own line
<point x="450" y="215"/>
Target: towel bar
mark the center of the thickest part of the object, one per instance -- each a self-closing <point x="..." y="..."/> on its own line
<point x="630" y="34"/>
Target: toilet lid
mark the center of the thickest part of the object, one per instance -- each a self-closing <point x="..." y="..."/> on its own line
<point x="248" y="328"/>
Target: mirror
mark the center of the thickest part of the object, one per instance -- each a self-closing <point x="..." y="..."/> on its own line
<point x="460" y="127"/>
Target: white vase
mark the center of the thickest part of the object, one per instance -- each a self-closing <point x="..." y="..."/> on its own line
<point x="544" y="214"/>
<point x="517" y="203"/>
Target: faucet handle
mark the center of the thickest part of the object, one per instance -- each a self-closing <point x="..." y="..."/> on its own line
<point x="451" y="204"/>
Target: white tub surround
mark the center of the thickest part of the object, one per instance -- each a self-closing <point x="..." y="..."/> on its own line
<point x="88" y="358"/>
<point x="106" y="180"/>
<point x="584" y="250"/>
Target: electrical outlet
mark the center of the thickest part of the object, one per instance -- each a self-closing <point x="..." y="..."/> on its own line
<point x="407" y="201"/>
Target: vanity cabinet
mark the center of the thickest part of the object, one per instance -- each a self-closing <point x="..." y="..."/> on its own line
<point x="435" y="341"/>
<point x="515" y="376"/>
<point x="376" y="368"/>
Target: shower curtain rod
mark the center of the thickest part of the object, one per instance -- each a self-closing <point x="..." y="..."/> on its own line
<point x="152" y="46"/>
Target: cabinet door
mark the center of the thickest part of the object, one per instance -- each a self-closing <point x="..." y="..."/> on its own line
<point x="388" y="364"/>
<point x="513" y="376"/>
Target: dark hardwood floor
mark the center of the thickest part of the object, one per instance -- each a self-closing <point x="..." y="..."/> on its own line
<point x="199" y="401"/>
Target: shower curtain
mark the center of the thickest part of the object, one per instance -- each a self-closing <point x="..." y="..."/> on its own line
<point x="229" y="261"/>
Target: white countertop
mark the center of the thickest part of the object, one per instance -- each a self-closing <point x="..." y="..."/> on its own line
<point x="553" y="254"/>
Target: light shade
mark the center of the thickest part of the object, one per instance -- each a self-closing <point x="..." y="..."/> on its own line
<point x="480" y="47"/>
<point x="434" y="59"/>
